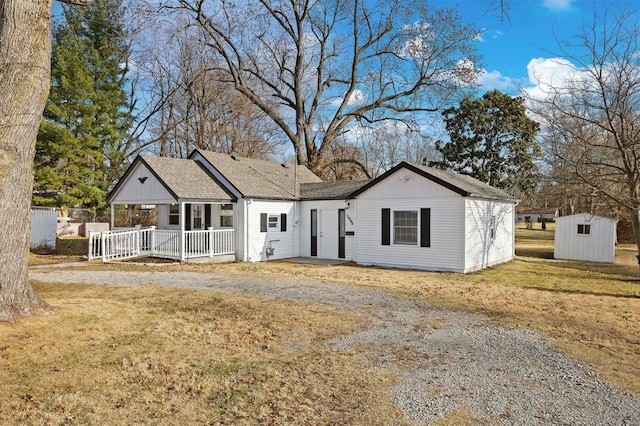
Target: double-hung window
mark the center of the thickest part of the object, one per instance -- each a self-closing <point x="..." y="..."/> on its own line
<point x="405" y="227"/>
<point x="273" y="222"/>
<point x="174" y="214"/>
<point x="226" y="216"/>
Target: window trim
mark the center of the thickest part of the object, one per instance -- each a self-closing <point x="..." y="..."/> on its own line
<point x="415" y="227"/>
<point x="199" y="209"/>
<point x="273" y="225"/>
<point x="226" y="211"/>
<point x="584" y="229"/>
<point x="175" y="214"/>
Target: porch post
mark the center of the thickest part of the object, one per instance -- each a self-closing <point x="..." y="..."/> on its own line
<point x="152" y="240"/>
<point x="112" y="216"/>
<point x="210" y="236"/>
<point x="182" y="227"/>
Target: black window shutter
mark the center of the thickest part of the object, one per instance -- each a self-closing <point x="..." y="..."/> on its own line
<point x="263" y="222"/>
<point x="425" y="227"/>
<point x="207" y="216"/>
<point x="386" y="227"/>
<point x="283" y="222"/>
<point x="187" y="217"/>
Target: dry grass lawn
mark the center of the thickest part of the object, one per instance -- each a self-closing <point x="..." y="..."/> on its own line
<point x="135" y="355"/>
<point x="589" y="310"/>
<point x="152" y="355"/>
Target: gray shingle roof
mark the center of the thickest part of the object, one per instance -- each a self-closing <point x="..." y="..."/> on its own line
<point x="461" y="184"/>
<point x="472" y="186"/>
<point x="330" y="190"/>
<point x="259" y="178"/>
<point x="186" y="178"/>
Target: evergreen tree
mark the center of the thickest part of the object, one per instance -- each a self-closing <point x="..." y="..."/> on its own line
<point x="83" y="140"/>
<point x="493" y="140"/>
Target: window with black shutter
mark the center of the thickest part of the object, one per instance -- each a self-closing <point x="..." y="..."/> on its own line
<point x="386" y="227"/>
<point x="425" y="227"/>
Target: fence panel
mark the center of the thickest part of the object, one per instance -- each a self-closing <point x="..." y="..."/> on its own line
<point x="44" y="224"/>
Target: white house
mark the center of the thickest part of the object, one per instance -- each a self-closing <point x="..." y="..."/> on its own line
<point x="535" y="214"/>
<point x="585" y="237"/>
<point x="228" y="207"/>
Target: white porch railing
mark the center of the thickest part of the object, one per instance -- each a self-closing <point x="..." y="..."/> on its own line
<point x="127" y="244"/>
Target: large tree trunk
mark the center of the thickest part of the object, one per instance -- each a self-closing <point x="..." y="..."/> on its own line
<point x="25" y="28"/>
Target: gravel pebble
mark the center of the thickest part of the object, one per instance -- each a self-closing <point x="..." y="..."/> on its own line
<point x="447" y="360"/>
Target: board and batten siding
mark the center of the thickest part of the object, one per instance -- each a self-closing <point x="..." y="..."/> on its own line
<point x="482" y="249"/>
<point x="405" y="190"/>
<point x="597" y="246"/>
<point x="284" y="243"/>
<point x="44" y="226"/>
<point x="135" y="192"/>
<point x="328" y="207"/>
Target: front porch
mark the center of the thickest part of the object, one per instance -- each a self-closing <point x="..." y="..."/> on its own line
<point x="165" y="243"/>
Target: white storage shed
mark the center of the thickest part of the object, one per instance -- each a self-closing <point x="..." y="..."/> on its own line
<point x="585" y="237"/>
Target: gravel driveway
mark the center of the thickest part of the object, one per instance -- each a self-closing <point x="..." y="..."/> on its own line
<point x="448" y="360"/>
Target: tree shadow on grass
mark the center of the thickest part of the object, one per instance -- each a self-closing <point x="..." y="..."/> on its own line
<point x="585" y="292"/>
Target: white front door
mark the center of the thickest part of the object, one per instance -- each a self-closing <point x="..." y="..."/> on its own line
<point x="328" y="234"/>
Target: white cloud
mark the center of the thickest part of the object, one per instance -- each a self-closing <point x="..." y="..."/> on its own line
<point x="494" y="80"/>
<point x="358" y="97"/>
<point x="557" y="4"/>
<point x="549" y="73"/>
<point x="497" y="34"/>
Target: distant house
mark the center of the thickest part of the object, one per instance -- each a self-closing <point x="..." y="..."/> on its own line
<point x="585" y="237"/>
<point x="535" y="214"/>
<point x="234" y="208"/>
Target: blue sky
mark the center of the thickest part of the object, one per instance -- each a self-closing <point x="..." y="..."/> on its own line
<point x="510" y="47"/>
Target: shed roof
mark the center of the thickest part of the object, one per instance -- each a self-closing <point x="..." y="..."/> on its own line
<point x="464" y="185"/>
<point x="184" y="179"/>
<point x="259" y="178"/>
<point x="586" y="217"/>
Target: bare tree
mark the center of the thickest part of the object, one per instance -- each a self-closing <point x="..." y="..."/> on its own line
<point x="189" y="105"/>
<point x="316" y="68"/>
<point x="25" y="47"/>
<point x="591" y="123"/>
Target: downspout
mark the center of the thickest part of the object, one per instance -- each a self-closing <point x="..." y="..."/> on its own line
<point x="246" y="230"/>
<point x="295" y="211"/>
<point x="112" y="216"/>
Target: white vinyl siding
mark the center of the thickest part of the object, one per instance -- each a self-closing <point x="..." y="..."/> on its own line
<point x="598" y="245"/>
<point x="133" y="191"/>
<point x="285" y="243"/>
<point x="328" y="207"/>
<point x="446" y="252"/>
<point x="488" y="233"/>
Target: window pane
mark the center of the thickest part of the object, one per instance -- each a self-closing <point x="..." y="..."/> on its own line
<point x="174" y="214"/>
<point x="405" y="227"/>
<point x="226" y="221"/>
<point x="273" y="221"/>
